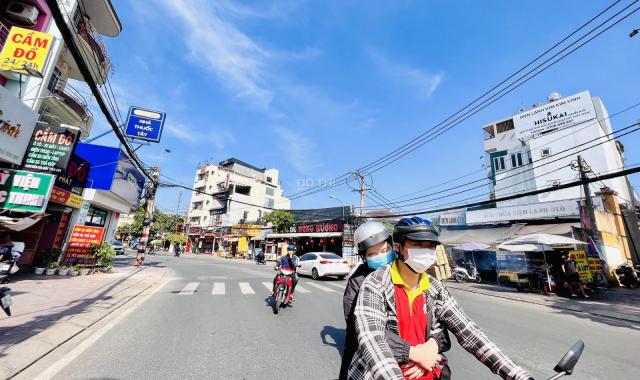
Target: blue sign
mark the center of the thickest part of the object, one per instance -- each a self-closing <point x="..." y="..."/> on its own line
<point x="144" y="124"/>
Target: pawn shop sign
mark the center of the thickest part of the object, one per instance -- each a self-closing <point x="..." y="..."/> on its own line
<point x="25" y="51"/>
<point x="145" y="124"/>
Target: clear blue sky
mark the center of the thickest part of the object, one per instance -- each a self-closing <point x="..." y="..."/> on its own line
<point x="319" y="88"/>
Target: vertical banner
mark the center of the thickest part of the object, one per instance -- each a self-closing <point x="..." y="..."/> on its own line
<point x="582" y="265"/>
<point x="80" y="249"/>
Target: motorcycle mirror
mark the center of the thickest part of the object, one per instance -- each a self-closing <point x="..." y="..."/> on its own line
<point x="570" y="359"/>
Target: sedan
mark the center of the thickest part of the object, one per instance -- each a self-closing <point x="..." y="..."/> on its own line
<point x="322" y="264"/>
<point x="118" y="247"/>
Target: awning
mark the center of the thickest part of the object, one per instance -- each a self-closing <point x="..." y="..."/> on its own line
<point x="491" y="235"/>
<point x="563" y="229"/>
<point x="301" y="234"/>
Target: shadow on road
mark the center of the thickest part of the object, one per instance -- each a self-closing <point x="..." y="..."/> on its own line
<point x="336" y="334"/>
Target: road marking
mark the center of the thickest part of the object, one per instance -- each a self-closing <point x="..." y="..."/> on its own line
<point x="189" y="289"/>
<point x="218" y="288"/>
<point x="82" y="346"/>
<point x="245" y="288"/>
<point x="201" y="278"/>
<point x="321" y="287"/>
<point x="300" y="289"/>
<point x="339" y="285"/>
<point x="268" y="285"/>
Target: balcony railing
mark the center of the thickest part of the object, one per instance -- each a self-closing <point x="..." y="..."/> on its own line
<point x="4" y="34"/>
<point x="70" y="96"/>
<point x="86" y="32"/>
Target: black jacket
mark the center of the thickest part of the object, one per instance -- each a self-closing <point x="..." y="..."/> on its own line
<point x="399" y="346"/>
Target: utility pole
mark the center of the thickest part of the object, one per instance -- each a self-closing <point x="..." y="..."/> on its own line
<point x="362" y="189"/>
<point x="583" y="167"/>
<point x="179" y="200"/>
<point x="148" y="216"/>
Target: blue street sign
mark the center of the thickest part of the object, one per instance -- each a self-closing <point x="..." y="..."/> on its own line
<point x="144" y="124"/>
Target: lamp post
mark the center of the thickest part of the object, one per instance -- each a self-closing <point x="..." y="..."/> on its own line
<point x="339" y="200"/>
<point x="633" y="33"/>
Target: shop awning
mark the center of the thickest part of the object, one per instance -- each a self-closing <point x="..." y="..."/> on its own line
<point x="478" y="235"/>
<point x="563" y="229"/>
<point x="17" y="224"/>
<point x="301" y="234"/>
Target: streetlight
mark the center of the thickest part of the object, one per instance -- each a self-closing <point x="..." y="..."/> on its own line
<point x="339" y="200"/>
<point x="634" y="32"/>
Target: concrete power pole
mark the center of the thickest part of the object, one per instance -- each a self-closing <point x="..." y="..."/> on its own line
<point x="584" y="168"/>
<point x="148" y="216"/>
<point x="362" y="189"/>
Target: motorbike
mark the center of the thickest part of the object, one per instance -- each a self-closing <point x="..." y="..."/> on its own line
<point x="568" y="362"/>
<point x="260" y="260"/>
<point x="628" y="276"/>
<point x="465" y="272"/>
<point x="283" y="289"/>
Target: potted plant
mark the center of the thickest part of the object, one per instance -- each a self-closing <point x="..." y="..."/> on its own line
<point x="74" y="271"/>
<point x="104" y="256"/>
<point x="51" y="269"/>
<point x="63" y="270"/>
<point x="50" y="259"/>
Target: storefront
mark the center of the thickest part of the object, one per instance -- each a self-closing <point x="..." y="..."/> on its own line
<point x="313" y="237"/>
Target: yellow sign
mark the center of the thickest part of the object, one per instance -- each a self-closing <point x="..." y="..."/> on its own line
<point x="582" y="264"/>
<point x="25" y="48"/>
<point x="246" y="229"/>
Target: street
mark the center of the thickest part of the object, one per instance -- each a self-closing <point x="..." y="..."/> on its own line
<point x="212" y="319"/>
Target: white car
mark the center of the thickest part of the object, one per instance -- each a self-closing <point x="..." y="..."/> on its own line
<point x="321" y="264"/>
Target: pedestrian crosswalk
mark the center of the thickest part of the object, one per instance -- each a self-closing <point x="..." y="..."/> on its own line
<point x="245" y="288"/>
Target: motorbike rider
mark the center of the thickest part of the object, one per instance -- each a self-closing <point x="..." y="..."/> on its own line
<point x="176" y="249"/>
<point x="289" y="261"/>
<point x="375" y="248"/>
<point x="402" y="298"/>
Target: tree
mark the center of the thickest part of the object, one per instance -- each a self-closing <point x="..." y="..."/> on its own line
<point x="281" y="220"/>
<point x="162" y="224"/>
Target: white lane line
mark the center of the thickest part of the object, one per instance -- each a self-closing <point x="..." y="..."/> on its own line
<point x="321" y="287"/>
<point x="189" y="289"/>
<point x="339" y="285"/>
<point x="268" y="285"/>
<point x="218" y="288"/>
<point x="245" y="288"/>
<point x="82" y="346"/>
<point x="300" y="289"/>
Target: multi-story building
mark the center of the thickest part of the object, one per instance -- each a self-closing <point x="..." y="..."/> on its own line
<point x="538" y="148"/>
<point x="241" y="192"/>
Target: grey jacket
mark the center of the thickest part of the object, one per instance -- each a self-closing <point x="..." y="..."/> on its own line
<point x="375" y="313"/>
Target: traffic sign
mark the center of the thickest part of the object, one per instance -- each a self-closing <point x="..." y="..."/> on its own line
<point x="145" y="124"/>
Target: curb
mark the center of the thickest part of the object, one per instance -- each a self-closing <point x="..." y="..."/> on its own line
<point x="44" y="343"/>
<point x="604" y="314"/>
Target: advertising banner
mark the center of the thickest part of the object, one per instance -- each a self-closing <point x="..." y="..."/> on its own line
<point x="246" y="229"/>
<point x="50" y="149"/>
<point x="145" y="124"/>
<point x="319" y="227"/>
<point x="582" y="265"/>
<point x="81" y="244"/>
<point x="25" y="51"/>
<point x="453" y="218"/>
<point x="542" y="210"/>
<point x="558" y="114"/>
<point x="66" y="197"/>
<point x="24" y="191"/>
<point x="74" y="179"/>
<point x="17" y="122"/>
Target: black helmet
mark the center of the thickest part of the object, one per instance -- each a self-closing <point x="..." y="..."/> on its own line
<point x="415" y="229"/>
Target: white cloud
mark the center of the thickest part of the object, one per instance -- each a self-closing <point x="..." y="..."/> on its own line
<point x="182" y="132"/>
<point x="424" y="83"/>
<point x="297" y="149"/>
<point x="220" y="138"/>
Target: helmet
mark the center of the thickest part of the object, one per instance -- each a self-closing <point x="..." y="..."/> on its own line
<point x="370" y="234"/>
<point x="416" y="229"/>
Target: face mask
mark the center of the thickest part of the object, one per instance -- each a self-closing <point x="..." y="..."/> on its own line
<point x="381" y="259"/>
<point x="420" y="259"/>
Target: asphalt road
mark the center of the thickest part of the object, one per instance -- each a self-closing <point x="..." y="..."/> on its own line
<point x="213" y="320"/>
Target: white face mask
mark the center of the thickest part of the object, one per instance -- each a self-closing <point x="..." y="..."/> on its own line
<point x="420" y="259"/>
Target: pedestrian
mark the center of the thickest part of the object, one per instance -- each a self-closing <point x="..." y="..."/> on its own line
<point x="6" y="244"/>
<point x="571" y="275"/>
<point x="375" y="248"/>
<point x="405" y="300"/>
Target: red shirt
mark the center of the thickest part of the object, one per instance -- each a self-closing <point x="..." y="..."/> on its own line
<point x="412" y="323"/>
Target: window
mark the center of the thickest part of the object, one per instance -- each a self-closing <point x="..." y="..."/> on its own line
<point x="200" y="176"/>
<point x="207" y="202"/>
<point x="197" y="206"/>
<point x="268" y="203"/>
<point x="195" y="219"/>
<point x="545" y="152"/>
<point x="330" y="256"/>
<point x="199" y="189"/>
<point x="498" y="163"/>
<point x="259" y="214"/>
<point x="243" y="190"/>
<point x="245" y="215"/>
<point x="308" y="256"/>
<point x="530" y="158"/>
<point x="516" y="160"/>
<point x="96" y="217"/>
<point x="55" y="80"/>
<point x="269" y="179"/>
<point x="504" y="126"/>
<point x="270" y="191"/>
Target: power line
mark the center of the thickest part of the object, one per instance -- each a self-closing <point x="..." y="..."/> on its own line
<point x="420" y="138"/>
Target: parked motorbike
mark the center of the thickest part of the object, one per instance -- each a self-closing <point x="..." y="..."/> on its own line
<point x="283" y="290"/>
<point x="465" y="272"/>
<point x="628" y="276"/>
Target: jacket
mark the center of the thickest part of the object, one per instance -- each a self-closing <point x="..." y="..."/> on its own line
<point x="399" y="347"/>
<point x="375" y="312"/>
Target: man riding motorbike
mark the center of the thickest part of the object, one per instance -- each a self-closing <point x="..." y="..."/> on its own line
<point x="290" y="261"/>
<point x="375" y="247"/>
<point x="402" y="298"/>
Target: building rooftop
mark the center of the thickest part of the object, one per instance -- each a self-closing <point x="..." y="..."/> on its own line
<point x="233" y="160"/>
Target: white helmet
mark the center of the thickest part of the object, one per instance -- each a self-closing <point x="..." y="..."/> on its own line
<point x="370" y="234"/>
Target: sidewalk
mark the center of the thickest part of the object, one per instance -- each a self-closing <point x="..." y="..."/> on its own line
<point x="623" y="304"/>
<point x="49" y="310"/>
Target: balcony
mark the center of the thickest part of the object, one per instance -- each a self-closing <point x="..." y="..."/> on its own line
<point x="4" y="34"/>
<point x="66" y="106"/>
<point x="93" y="52"/>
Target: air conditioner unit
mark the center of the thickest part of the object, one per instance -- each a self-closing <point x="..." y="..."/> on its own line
<point x="25" y="14"/>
